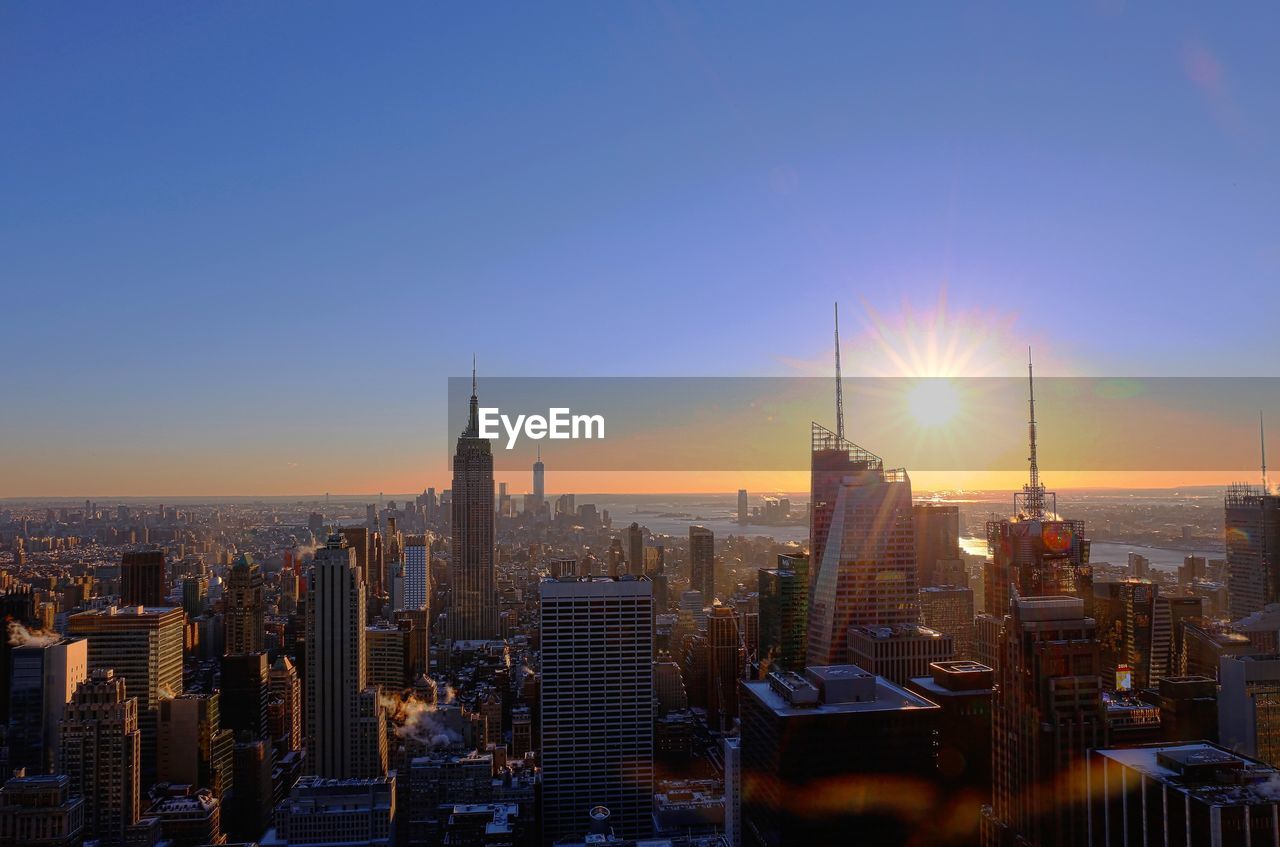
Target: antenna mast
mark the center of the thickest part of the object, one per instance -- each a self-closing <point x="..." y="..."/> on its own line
<point x="1034" y="490"/>
<point x="839" y="382"/>
<point x="1262" y="437"/>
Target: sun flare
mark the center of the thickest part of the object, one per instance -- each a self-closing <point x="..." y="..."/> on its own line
<point x="933" y="402"/>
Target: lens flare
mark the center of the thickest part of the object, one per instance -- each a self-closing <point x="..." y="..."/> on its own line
<point x="933" y="402"/>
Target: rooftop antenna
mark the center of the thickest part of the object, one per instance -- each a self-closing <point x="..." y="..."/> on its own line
<point x="1035" y="490"/>
<point x="1262" y="437"/>
<point x="839" y="382"/>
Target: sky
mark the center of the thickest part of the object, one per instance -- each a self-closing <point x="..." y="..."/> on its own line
<point x="246" y="244"/>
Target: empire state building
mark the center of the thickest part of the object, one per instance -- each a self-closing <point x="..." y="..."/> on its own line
<point x="472" y="609"/>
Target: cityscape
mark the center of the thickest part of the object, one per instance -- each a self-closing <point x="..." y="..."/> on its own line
<point x="256" y="595"/>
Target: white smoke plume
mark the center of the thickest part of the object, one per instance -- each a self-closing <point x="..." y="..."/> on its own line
<point x="419" y="721"/>
<point x="20" y="636"/>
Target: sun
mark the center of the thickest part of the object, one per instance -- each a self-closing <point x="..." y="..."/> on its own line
<point x="933" y="402"/>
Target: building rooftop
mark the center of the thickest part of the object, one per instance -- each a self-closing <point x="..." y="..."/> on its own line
<point x="958" y="678"/>
<point x="844" y="689"/>
<point x="1205" y="772"/>
<point x="906" y="630"/>
<point x="1053" y="608"/>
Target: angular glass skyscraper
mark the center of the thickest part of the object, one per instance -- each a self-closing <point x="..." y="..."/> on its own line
<point x="472" y="611"/>
<point x="1252" y="523"/>
<point x="864" y="561"/>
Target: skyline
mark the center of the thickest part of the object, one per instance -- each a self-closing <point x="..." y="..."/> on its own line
<point x="209" y="193"/>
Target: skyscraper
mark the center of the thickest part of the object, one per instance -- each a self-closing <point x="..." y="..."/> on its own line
<point x="937" y="538"/>
<point x="635" y="549"/>
<point x="1253" y="549"/>
<point x="1035" y="553"/>
<point x="1181" y="795"/>
<point x="539" y="481"/>
<point x="949" y="610"/>
<point x="335" y="672"/>
<point x="142" y="578"/>
<point x="867" y="575"/>
<point x="597" y="703"/>
<point x="245" y="621"/>
<point x="472" y="612"/>
<point x="724" y="668"/>
<point x="417" y="572"/>
<point x="784" y="613"/>
<point x="1249" y="706"/>
<point x="828" y="757"/>
<point x="99" y="748"/>
<point x="245" y="692"/>
<point x="144" y="647"/>
<point x="702" y="562"/>
<point x="195" y="748"/>
<point x="1047" y="714"/>
<point x="287" y="691"/>
<point x="44" y="676"/>
<point x="743" y="511"/>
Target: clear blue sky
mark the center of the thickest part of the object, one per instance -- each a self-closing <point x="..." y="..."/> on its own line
<point x="243" y="244"/>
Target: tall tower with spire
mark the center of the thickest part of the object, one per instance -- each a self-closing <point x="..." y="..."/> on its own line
<point x="1252" y="528"/>
<point x="539" y="481"/>
<point x="472" y="611"/>
<point x="862" y="559"/>
<point x="1033" y="496"/>
<point x="1035" y="552"/>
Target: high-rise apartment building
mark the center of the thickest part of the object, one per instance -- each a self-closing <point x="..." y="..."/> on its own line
<point x="99" y="748"/>
<point x="417" y="573"/>
<point x="597" y="704"/>
<point x="472" y="613"/>
<point x="245" y="607"/>
<point x="142" y="578"/>
<point x="335" y="672"/>
<point x="143" y="645"/>
<point x="1047" y="715"/>
<point x="867" y="576"/>
<point x="702" y="562"/>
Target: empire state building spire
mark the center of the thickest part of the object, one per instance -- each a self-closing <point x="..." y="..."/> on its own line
<point x="473" y="417"/>
<point x="471" y="612"/>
